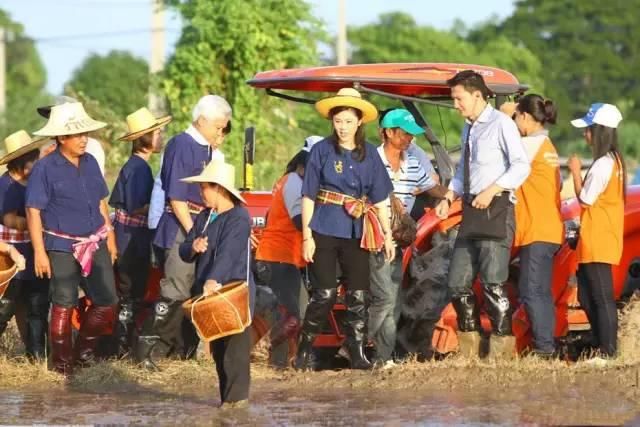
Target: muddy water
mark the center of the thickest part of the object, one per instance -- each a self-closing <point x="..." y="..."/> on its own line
<point x="346" y="408"/>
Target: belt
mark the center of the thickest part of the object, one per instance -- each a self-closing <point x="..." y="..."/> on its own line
<point x="85" y="247"/>
<point x="121" y="216"/>
<point x="194" y="208"/>
<point x="372" y="233"/>
<point x="11" y="235"/>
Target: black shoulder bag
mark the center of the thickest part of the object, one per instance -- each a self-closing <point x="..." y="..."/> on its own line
<point x="482" y="224"/>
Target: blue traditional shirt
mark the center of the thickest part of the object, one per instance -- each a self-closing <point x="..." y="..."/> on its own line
<point x="132" y="191"/>
<point x="186" y="155"/>
<point x="67" y="196"/>
<point x="227" y="256"/>
<point x="341" y="173"/>
<point x="12" y="195"/>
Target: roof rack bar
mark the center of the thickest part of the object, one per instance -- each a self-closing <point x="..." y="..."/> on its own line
<point x="290" y="97"/>
<point x="364" y="88"/>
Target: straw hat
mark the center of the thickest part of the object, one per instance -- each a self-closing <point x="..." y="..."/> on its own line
<point x="221" y="173"/>
<point x="18" y="144"/>
<point x="69" y="119"/>
<point x="348" y="97"/>
<point x="142" y="122"/>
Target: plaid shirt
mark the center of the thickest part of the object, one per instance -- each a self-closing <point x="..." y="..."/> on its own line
<point x="122" y="217"/>
<point x="11" y="235"/>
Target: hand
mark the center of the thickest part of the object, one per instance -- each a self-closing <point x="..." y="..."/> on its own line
<point x="574" y="164"/>
<point x="308" y="249"/>
<point x="254" y="240"/>
<point x="111" y="247"/>
<point x="389" y="248"/>
<point x="42" y="265"/>
<point x="17" y="257"/>
<point x="442" y="209"/>
<point x="210" y="286"/>
<point x="200" y="245"/>
<point x="435" y="177"/>
<point x="483" y="200"/>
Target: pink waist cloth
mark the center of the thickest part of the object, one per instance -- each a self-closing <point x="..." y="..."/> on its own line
<point x="85" y="247"/>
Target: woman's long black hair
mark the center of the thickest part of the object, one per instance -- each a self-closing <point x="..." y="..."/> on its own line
<point x="299" y="159"/>
<point x="604" y="140"/>
<point x="359" y="152"/>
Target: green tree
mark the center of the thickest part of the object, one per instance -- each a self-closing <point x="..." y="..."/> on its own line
<point x="118" y="80"/>
<point x="223" y="44"/>
<point x="590" y="50"/>
<point x="25" y="79"/>
<point x="396" y="37"/>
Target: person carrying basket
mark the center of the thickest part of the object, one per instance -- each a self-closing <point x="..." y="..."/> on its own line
<point x="218" y="243"/>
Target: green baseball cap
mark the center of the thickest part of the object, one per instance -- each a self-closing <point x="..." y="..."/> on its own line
<point x="401" y="118"/>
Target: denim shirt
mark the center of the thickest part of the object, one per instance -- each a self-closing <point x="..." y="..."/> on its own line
<point x="341" y="173"/>
<point x="497" y="154"/>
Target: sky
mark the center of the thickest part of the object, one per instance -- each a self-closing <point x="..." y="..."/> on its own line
<point x="67" y="31"/>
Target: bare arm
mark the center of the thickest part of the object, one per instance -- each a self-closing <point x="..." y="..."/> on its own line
<point x="383" y="216"/>
<point x="41" y="259"/>
<point x="12" y="220"/>
<point x="308" y="245"/>
<point x="111" y="235"/>
<point x="181" y="211"/>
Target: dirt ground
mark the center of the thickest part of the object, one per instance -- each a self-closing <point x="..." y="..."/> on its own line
<point x="522" y="391"/>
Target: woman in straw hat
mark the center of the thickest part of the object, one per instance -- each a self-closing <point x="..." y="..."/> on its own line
<point x="130" y="198"/>
<point x="71" y="233"/>
<point x="25" y="289"/>
<point x="344" y="216"/>
<point x="218" y="243"/>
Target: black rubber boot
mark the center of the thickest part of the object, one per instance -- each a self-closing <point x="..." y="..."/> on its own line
<point x="468" y="325"/>
<point x="7" y="310"/>
<point x="320" y="305"/>
<point x="355" y="321"/>
<point x="424" y="338"/>
<point x="154" y="337"/>
<point x="37" y="326"/>
<point x="498" y="308"/>
<point x="125" y="327"/>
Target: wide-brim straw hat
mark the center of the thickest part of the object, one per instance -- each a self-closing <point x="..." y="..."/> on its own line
<point x="348" y="97"/>
<point x="142" y="122"/>
<point x="69" y="118"/>
<point x="20" y="143"/>
<point x="221" y="173"/>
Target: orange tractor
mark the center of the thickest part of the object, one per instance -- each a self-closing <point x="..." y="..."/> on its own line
<point x="414" y="84"/>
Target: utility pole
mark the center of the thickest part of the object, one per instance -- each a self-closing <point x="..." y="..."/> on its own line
<point x="3" y="70"/>
<point x="156" y="62"/>
<point x="341" y="47"/>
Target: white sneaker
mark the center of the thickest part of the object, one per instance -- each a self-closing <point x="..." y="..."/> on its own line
<point x="597" y="362"/>
<point x="389" y="364"/>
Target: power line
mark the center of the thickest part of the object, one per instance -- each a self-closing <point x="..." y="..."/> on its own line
<point x="54" y="39"/>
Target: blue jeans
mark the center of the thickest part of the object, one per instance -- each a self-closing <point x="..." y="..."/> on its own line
<point x="384" y="308"/>
<point x="534" y="286"/>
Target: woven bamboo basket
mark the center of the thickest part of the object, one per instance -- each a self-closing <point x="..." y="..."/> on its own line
<point x="225" y="312"/>
<point x="8" y="269"/>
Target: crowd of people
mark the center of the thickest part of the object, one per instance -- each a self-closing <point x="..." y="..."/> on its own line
<point x="336" y="212"/>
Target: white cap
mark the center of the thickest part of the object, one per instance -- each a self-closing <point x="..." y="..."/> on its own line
<point x="310" y="141"/>
<point x="601" y="114"/>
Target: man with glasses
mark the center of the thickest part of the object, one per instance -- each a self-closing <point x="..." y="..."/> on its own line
<point x="186" y="155"/>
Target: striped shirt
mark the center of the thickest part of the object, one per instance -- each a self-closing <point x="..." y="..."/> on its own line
<point x="406" y="180"/>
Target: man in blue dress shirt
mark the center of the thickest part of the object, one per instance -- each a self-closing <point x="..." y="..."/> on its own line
<point x="498" y="165"/>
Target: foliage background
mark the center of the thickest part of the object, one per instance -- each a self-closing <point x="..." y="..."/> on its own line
<point x="574" y="52"/>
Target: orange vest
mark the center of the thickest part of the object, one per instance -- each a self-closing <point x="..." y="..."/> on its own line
<point x="602" y="224"/>
<point x="280" y="241"/>
<point x="537" y="211"/>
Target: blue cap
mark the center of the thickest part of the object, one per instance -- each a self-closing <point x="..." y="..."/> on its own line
<point x="401" y="118"/>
